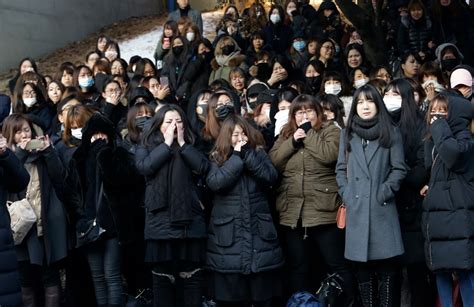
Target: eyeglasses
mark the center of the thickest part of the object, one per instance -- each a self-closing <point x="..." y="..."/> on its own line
<point x="327" y="47"/>
<point x="117" y="91"/>
<point x="304" y="112"/>
<point x="29" y="93"/>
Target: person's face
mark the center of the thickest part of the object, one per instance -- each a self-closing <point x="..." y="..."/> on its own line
<point x="257" y="42"/>
<point x="328" y="113"/>
<point x="327" y="12"/>
<point x="332" y="81"/>
<point x="311" y="72"/>
<point x="123" y="85"/>
<point x="439" y="108"/>
<point x="445" y="2"/>
<point x="148" y="70"/>
<point x="143" y="112"/>
<point x="54" y="92"/>
<point x="277" y="68"/>
<point x="312" y="47"/>
<point x="465" y="90"/>
<point x="25" y="67"/>
<point x="28" y="92"/>
<point x="171" y="117"/>
<point x="416" y="13"/>
<point x="154" y="86"/>
<point x="93" y="58"/>
<point x="202" y="49"/>
<point x="305" y="115"/>
<point x="411" y="67"/>
<point x="177" y="42"/>
<point x="291" y="7"/>
<point x="383" y="74"/>
<point x="67" y="79"/>
<point x="355" y="37"/>
<point x="238" y="82"/>
<point x="101" y="42"/>
<point x="448" y="55"/>
<point x="223" y="100"/>
<point x="284" y="105"/>
<point x="366" y="108"/>
<point x="429" y="77"/>
<point x="359" y="75"/>
<point x="117" y="68"/>
<point x="238" y="135"/>
<point x="84" y="73"/>
<point x="168" y="32"/>
<point x="327" y="50"/>
<point x="275" y="11"/>
<point x="112" y="90"/>
<point x="183" y="3"/>
<point x="111" y="53"/>
<point x="354" y="58"/>
<point x="391" y="93"/>
<point x="23" y="134"/>
<point x="62" y="115"/>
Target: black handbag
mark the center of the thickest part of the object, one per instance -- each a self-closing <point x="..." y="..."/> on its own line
<point x="93" y="231"/>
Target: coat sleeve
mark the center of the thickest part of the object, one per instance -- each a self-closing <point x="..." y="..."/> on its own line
<point x="13" y="175"/>
<point x="148" y="162"/>
<point x="260" y="167"/>
<point x="195" y="159"/>
<point x="450" y="149"/>
<point x="323" y="146"/>
<point x="341" y="165"/>
<point x="117" y="166"/>
<point x="402" y="37"/>
<point x="398" y="168"/>
<point x="54" y="165"/>
<point x="225" y="176"/>
<point x="281" y="152"/>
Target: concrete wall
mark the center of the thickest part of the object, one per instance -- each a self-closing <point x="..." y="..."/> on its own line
<point x="36" y="27"/>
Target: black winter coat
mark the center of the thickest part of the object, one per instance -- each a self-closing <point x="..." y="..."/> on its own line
<point x="152" y="162"/>
<point x="414" y="35"/>
<point x="278" y="37"/>
<point x="13" y="178"/>
<point x="196" y="76"/>
<point x="448" y="209"/>
<point x="242" y="236"/>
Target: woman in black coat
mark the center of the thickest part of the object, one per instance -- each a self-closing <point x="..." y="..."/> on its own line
<point x="13" y="179"/>
<point x="175" y="228"/>
<point x="400" y="103"/>
<point x="47" y="241"/>
<point x="448" y="208"/>
<point x="242" y="249"/>
<point x="277" y="34"/>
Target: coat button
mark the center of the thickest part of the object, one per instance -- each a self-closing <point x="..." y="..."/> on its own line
<point x="357" y="178"/>
<point x="357" y="196"/>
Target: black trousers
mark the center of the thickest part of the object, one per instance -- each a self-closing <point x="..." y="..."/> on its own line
<point x="329" y="242"/>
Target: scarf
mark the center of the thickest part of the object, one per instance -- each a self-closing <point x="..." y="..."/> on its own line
<point x="223" y="60"/>
<point x="366" y="129"/>
<point x="174" y="188"/>
<point x="184" y="12"/>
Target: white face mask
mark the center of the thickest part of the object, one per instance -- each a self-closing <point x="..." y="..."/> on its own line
<point x="29" y="102"/>
<point x="111" y="54"/>
<point x="190" y="36"/>
<point x="281" y="120"/>
<point x="275" y="18"/>
<point x="77" y="133"/>
<point x="267" y="113"/>
<point x="437" y="87"/>
<point x="360" y="83"/>
<point x="333" y="89"/>
<point x="392" y="103"/>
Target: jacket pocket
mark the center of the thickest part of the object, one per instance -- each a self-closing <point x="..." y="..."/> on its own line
<point x="326" y="198"/>
<point x="384" y="194"/>
<point x="224" y="231"/>
<point x="266" y="228"/>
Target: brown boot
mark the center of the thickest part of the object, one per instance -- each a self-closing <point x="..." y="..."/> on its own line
<point x="52" y="296"/>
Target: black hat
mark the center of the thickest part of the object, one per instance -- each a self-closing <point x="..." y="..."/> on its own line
<point x="142" y="92"/>
<point x="267" y="96"/>
<point x="256" y="89"/>
<point x="327" y="5"/>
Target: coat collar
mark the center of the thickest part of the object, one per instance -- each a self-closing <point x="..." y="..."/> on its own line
<point x="363" y="159"/>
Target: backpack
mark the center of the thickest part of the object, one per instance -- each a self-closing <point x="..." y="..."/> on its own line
<point x="303" y="299"/>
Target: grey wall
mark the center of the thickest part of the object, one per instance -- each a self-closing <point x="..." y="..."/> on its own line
<point x="36" y="27"/>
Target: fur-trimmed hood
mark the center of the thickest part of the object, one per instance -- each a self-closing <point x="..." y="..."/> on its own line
<point x="234" y="61"/>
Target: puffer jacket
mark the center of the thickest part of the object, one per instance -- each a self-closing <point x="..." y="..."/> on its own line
<point x="308" y="189"/>
<point x="414" y="35"/>
<point x="242" y="238"/>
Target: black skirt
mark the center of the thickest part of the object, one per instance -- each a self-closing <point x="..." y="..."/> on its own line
<point x="256" y="287"/>
<point x="175" y="249"/>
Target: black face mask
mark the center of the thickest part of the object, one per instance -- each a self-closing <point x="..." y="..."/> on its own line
<point x="228" y="49"/>
<point x="449" y="64"/>
<point x="223" y="111"/>
<point x="141" y="121"/>
<point x="253" y="103"/>
<point x="264" y="71"/>
<point x="177" y="50"/>
<point x="208" y="56"/>
<point x="314" y="83"/>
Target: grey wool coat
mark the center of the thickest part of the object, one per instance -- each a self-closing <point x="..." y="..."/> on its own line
<point x="368" y="190"/>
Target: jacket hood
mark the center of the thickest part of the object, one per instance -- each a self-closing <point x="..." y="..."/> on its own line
<point x="460" y="114"/>
<point x="441" y="47"/>
<point x="98" y="123"/>
<point x="218" y="50"/>
<point x="141" y="92"/>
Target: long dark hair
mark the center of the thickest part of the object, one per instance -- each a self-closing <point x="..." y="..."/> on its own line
<point x="153" y="136"/>
<point x="385" y="123"/>
<point x="410" y="118"/>
<point x="335" y="105"/>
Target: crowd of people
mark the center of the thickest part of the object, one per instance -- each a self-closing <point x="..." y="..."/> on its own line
<point x="219" y="172"/>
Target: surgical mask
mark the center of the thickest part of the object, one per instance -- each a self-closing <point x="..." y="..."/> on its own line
<point x="86" y="82"/>
<point x="275" y="18"/>
<point x="29" y="102"/>
<point x="228" y="49"/>
<point x="201" y="111"/>
<point x="141" y="121"/>
<point x="360" y="83"/>
<point x="77" y="133"/>
<point x="281" y="118"/>
<point x="437" y="87"/>
<point x="223" y="111"/>
<point x="190" y="36"/>
<point x="333" y="89"/>
<point x="392" y="103"/>
<point x="111" y="54"/>
<point x="299" y="45"/>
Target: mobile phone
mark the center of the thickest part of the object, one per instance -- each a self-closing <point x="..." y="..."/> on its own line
<point x="34" y="144"/>
<point x="166" y="39"/>
<point x="164" y="81"/>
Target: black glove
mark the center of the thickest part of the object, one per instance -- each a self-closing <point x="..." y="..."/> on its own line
<point x="244" y="149"/>
<point x="306" y="127"/>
